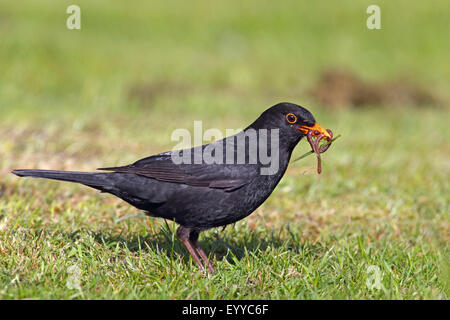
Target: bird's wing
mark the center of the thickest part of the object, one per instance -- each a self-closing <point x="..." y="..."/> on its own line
<point x="228" y="177"/>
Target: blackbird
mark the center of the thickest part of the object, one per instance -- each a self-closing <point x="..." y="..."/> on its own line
<point x="232" y="178"/>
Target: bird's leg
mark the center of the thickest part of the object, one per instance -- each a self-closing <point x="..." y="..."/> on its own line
<point x="183" y="234"/>
<point x="194" y="240"/>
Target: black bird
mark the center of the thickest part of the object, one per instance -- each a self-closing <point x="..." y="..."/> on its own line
<point x="201" y="195"/>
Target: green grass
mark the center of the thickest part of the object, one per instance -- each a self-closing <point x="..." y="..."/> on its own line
<point x="67" y="102"/>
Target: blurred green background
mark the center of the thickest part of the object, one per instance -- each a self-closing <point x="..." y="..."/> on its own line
<point x="114" y="91"/>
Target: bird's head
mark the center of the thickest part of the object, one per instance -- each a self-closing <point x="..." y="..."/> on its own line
<point x="293" y="121"/>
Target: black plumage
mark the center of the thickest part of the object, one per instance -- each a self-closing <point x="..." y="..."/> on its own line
<point x="200" y="196"/>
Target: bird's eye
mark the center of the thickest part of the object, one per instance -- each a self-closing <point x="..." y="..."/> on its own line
<point x="291" y="118"/>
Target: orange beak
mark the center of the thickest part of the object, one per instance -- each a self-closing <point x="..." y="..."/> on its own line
<point x="315" y="128"/>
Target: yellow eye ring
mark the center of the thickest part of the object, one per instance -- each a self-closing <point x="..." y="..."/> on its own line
<point x="291" y="118"/>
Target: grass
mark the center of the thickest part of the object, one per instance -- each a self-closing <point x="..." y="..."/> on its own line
<point x="114" y="91"/>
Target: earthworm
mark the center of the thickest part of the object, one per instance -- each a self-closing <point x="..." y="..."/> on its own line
<point x="314" y="143"/>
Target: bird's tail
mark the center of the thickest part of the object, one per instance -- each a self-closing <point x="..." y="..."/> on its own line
<point x="92" y="179"/>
